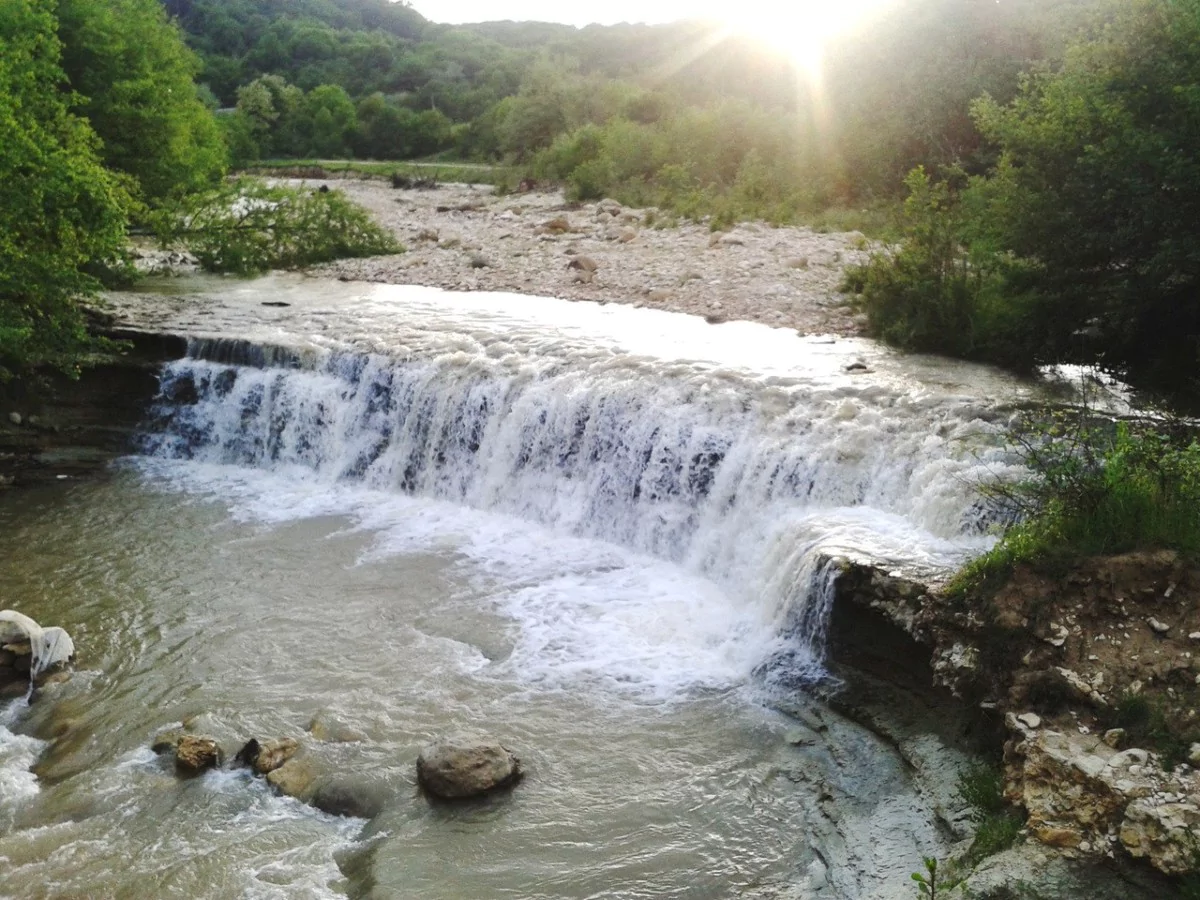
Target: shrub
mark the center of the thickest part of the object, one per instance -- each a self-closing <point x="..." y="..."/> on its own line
<point x="248" y="226"/>
<point x="1095" y="487"/>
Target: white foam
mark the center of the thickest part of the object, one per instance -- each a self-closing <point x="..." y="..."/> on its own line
<point x="18" y="753"/>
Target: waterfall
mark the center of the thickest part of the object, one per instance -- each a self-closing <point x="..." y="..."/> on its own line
<point x="748" y="482"/>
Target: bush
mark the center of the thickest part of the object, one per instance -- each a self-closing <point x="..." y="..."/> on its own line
<point x="1096" y="487"/>
<point x="248" y="226"/>
<point x="943" y="289"/>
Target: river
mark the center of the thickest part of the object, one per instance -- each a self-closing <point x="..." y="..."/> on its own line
<point x="595" y="532"/>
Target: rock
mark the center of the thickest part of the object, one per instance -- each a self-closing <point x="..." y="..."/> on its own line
<point x="14" y="418"/>
<point x="294" y="778"/>
<point x="584" y="264"/>
<point x="466" y="765"/>
<point x="479" y="261"/>
<point x="267" y="756"/>
<point x="583" y="277"/>
<point x="1162" y="833"/>
<point x="1114" y="738"/>
<point x="797" y="262"/>
<point x="348" y="798"/>
<point x="7" y="658"/>
<point x="557" y="225"/>
<point x="1194" y="754"/>
<point x="427" y="235"/>
<point x="625" y="235"/>
<point x="1194" y="636"/>
<point x="659" y="295"/>
<point x="1160" y="627"/>
<point x="195" y="753"/>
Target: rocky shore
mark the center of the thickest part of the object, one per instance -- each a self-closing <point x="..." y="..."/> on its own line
<point x="468" y="238"/>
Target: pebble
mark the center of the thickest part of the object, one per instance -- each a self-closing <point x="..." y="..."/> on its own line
<point x="1030" y="720"/>
<point x="1160" y="627"/>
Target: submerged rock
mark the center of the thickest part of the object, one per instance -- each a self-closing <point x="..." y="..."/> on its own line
<point x="195" y="754"/>
<point x="466" y="765"/>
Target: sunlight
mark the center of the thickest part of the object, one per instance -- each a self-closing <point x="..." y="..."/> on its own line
<point x="799" y="29"/>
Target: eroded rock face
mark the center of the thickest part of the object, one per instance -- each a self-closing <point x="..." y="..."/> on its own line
<point x="466" y="765"/>
<point x="1088" y="799"/>
<point x="196" y="753"/>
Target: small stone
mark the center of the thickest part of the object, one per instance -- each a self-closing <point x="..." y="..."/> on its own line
<point x="479" y="261"/>
<point x="1114" y="738"/>
<point x="14" y="418"/>
<point x="583" y="264"/>
<point x="1030" y="720"/>
<point x="1160" y="627"/>
<point x="1194" y="636"/>
<point x="1194" y="754"/>
<point x="194" y="754"/>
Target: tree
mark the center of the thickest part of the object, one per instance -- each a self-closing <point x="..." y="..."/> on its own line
<point x="134" y="76"/>
<point x="61" y="213"/>
<point x="1099" y="185"/>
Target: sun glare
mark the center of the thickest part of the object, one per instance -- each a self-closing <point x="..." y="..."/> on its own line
<point x="800" y="28"/>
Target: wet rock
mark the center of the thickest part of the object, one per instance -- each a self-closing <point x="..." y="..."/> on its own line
<point x="466" y="765"/>
<point x="195" y="754"/>
<point x="296" y="778"/>
<point x="360" y="800"/>
<point x="267" y="756"/>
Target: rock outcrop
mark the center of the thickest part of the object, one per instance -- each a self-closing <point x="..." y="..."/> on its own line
<point x="267" y="756"/>
<point x="466" y="765"/>
<point x="1052" y="665"/>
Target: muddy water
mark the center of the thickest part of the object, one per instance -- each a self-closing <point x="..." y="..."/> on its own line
<point x="594" y="532"/>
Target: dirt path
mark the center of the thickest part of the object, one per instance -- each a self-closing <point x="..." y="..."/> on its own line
<point x="464" y="237"/>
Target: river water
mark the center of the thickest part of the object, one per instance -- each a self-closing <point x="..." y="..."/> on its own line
<point x="595" y="532"/>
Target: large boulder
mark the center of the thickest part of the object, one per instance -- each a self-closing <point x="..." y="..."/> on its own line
<point x="466" y="765"/>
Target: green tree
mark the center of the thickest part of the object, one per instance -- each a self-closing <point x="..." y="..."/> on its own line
<point x="134" y="76"/>
<point x="61" y="212"/>
<point x="1099" y="185"/>
<point x="326" y="122"/>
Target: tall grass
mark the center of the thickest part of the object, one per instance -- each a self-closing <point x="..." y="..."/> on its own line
<point x="1097" y="487"/>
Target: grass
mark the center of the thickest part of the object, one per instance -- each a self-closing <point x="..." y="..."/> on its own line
<point x="1096" y="489"/>
<point x="1148" y="724"/>
<point x="997" y="825"/>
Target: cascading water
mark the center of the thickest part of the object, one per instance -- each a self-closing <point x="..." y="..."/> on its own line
<point x="582" y="528"/>
<point x="751" y="486"/>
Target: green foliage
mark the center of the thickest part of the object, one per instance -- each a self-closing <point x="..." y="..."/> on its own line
<point x="997" y="825"/>
<point x="934" y="882"/>
<point x="62" y="213"/>
<point x="943" y="289"/>
<point x="1095" y="487"/>
<point x="1100" y="185"/>
<point x="1082" y="243"/>
<point x="133" y="75"/>
<point x="247" y="227"/>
